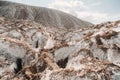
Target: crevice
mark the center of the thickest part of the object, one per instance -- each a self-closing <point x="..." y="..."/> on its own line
<point x="18" y="65"/>
<point x="37" y="44"/>
<point x="103" y="48"/>
<point x="115" y="47"/>
<point x="98" y="40"/>
<point x="62" y="63"/>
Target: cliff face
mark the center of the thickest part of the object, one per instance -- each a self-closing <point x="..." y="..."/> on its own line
<point x="46" y="17"/>
<point x="29" y="50"/>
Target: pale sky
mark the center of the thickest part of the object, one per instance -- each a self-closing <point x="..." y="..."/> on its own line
<point x="94" y="11"/>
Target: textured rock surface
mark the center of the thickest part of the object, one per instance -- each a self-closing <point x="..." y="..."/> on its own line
<point x="45" y="16"/>
<point x="30" y="51"/>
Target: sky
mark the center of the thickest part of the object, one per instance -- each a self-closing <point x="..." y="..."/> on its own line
<point x="94" y="11"/>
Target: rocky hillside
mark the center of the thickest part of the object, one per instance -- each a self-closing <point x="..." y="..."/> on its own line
<point x="47" y="17"/>
<point x="30" y="51"/>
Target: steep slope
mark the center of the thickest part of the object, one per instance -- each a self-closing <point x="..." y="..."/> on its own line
<point x="36" y="52"/>
<point x="45" y="16"/>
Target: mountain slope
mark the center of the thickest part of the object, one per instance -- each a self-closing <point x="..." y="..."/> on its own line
<point x="45" y="16"/>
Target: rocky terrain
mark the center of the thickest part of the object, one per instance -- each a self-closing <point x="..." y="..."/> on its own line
<point x="49" y="50"/>
<point x="31" y="51"/>
<point x="45" y="16"/>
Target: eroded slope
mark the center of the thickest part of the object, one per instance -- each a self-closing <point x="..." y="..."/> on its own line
<point x="45" y="16"/>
